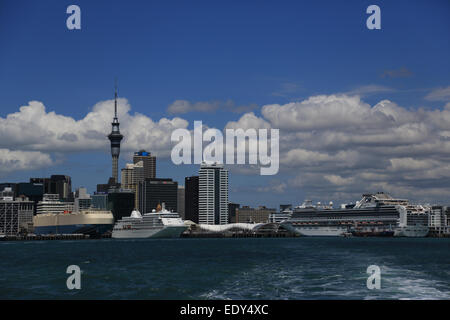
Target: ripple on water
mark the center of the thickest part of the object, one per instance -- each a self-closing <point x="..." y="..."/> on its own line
<point x="226" y="269"/>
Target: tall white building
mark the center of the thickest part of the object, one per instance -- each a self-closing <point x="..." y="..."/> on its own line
<point x="132" y="174"/>
<point x="15" y="214"/>
<point x="213" y="194"/>
<point x="83" y="200"/>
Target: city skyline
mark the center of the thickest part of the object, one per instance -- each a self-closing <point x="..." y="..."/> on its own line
<point x="223" y="157"/>
<point x="361" y="112"/>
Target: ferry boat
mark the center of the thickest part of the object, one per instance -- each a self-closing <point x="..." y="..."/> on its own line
<point x="160" y="223"/>
<point x="92" y="222"/>
<point x="375" y="214"/>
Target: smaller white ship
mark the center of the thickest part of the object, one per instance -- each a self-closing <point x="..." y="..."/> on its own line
<point x="160" y="223"/>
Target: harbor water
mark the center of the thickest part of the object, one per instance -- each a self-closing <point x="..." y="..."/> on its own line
<point x="248" y="268"/>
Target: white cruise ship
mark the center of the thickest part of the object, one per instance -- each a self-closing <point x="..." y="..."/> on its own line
<point x="157" y="224"/>
<point x="376" y="214"/>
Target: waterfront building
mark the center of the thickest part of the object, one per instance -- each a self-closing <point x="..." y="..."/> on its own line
<point x="447" y="219"/>
<point x="253" y="215"/>
<point x="115" y="137"/>
<point x="33" y="191"/>
<point x="83" y="200"/>
<point x="111" y="185"/>
<point x="155" y="191"/>
<point x="438" y="222"/>
<point x="120" y="202"/>
<point x="99" y="200"/>
<point x="132" y="174"/>
<point x="7" y="194"/>
<point x="148" y="162"/>
<point x="232" y="207"/>
<point x="213" y="194"/>
<point x="56" y="184"/>
<point x="52" y="204"/>
<point x="181" y="201"/>
<point x="13" y="186"/>
<point x="191" y="198"/>
<point x="15" y="216"/>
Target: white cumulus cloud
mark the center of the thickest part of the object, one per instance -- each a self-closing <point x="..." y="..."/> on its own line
<point x="35" y="128"/>
<point x="22" y="160"/>
<point x="338" y="146"/>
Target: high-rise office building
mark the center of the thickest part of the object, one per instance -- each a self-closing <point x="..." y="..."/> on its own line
<point x="180" y="201"/>
<point x="153" y="192"/>
<point x="83" y="200"/>
<point x="15" y="216"/>
<point x="99" y="200"/>
<point x="34" y="191"/>
<point x="121" y="203"/>
<point x="115" y="137"/>
<point x="102" y="188"/>
<point x="132" y="174"/>
<point x="253" y="215"/>
<point x="149" y="163"/>
<point x="213" y="194"/>
<point x="191" y="199"/>
<point x="232" y="207"/>
<point x="56" y="184"/>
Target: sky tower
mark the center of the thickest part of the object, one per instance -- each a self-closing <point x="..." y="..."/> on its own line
<point x="115" y="137"/>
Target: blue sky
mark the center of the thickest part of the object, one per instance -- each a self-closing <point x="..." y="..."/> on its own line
<point x="266" y="52"/>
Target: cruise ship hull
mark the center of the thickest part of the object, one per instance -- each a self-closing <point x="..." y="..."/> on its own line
<point x="382" y="233"/>
<point x="316" y="231"/>
<point x="90" y="229"/>
<point x="164" y="232"/>
<point x="412" y="231"/>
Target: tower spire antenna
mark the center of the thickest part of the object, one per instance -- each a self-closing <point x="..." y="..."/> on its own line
<point x="115" y="98"/>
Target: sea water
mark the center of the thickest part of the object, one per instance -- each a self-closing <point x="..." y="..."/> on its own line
<point x="250" y="268"/>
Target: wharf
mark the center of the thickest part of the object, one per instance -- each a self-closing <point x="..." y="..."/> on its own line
<point x="29" y="237"/>
<point x="238" y="235"/>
